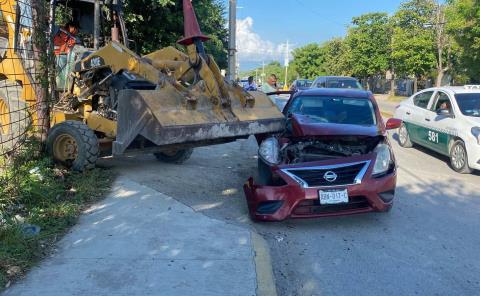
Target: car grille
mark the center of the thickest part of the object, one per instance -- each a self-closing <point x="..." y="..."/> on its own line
<point x="347" y="174"/>
<point x="313" y="206"/>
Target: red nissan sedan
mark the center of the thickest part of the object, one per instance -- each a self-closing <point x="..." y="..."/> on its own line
<point x="333" y="158"/>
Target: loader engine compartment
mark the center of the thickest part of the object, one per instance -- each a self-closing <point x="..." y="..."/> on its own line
<point x="324" y="148"/>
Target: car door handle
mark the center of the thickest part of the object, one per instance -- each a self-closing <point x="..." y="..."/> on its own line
<point x="408" y="113"/>
<point x="427" y="119"/>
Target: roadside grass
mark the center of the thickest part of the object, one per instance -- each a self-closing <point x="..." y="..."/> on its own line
<point x="46" y="196"/>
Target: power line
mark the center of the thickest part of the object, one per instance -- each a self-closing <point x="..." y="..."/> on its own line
<point x="317" y="13"/>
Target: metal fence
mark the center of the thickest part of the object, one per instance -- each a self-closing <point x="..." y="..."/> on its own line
<point x="19" y="86"/>
<point x="402" y="87"/>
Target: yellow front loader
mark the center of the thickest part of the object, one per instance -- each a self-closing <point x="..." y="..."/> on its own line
<point x="113" y="101"/>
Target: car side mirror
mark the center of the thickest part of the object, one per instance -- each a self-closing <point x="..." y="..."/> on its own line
<point x="444" y="112"/>
<point x="393" y="123"/>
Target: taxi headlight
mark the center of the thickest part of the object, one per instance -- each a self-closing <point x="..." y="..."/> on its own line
<point x="383" y="160"/>
<point x="476" y="133"/>
<point x="269" y="150"/>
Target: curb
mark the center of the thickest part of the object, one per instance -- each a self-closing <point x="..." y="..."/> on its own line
<point x="263" y="266"/>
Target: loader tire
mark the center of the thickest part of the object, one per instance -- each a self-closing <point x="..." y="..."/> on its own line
<point x="73" y="144"/>
<point x="15" y="119"/>
<point x="178" y="156"/>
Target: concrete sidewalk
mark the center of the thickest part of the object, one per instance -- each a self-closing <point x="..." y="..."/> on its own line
<point x="141" y="242"/>
<point x="387" y="108"/>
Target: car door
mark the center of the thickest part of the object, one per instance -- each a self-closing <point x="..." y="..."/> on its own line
<point x="414" y="117"/>
<point x="440" y="128"/>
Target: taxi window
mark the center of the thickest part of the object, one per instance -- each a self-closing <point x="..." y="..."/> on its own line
<point x="442" y="102"/>
<point x="421" y="100"/>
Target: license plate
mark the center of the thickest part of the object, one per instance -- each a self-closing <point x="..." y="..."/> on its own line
<point x="333" y="196"/>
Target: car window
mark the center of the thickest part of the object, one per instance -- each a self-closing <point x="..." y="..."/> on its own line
<point x="319" y="83"/>
<point x="442" y="101"/>
<point x="343" y="83"/>
<point x="469" y="104"/>
<point x="421" y="100"/>
<point x="334" y="109"/>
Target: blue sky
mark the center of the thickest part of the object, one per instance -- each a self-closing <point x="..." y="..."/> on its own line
<point x="265" y="25"/>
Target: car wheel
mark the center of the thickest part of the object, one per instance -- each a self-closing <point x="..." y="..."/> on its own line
<point x="174" y="156"/>
<point x="459" y="158"/>
<point x="404" y="137"/>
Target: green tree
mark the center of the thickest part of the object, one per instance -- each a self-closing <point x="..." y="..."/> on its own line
<point x="274" y="68"/>
<point x="367" y="41"/>
<point x="309" y="61"/>
<point x="413" y="44"/>
<point x="337" y="61"/>
<point x="154" y="24"/>
<point x="463" y="23"/>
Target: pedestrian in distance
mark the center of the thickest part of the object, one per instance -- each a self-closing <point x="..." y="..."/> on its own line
<point x="251" y="85"/>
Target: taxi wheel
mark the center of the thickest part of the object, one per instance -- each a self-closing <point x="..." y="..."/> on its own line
<point x="459" y="158"/>
<point x="404" y="137"/>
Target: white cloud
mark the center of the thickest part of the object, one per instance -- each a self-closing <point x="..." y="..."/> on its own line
<point x="251" y="47"/>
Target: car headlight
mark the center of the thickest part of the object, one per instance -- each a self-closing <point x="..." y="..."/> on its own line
<point x="476" y="133"/>
<point x="384" y="159"/>
<point x="269" y="150"/>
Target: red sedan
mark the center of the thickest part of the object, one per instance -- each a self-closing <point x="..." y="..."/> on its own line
<point x="333" y="158"/>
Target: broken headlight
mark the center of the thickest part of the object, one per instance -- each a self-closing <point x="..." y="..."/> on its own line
<point x="383" y="160"/>
<point x="269" y="151"/>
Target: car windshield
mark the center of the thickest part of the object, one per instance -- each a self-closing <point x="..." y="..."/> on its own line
<point x="469" y="104"/>
<point x="343" y="83"/>
<point x="334" y="109"/>
<point x="304" y="83"/>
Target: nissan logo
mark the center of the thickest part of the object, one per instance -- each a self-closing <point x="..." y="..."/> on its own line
<point x="330" y="176"/>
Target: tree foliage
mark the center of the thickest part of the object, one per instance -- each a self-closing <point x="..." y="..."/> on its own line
<point x="309" y="61"/>
<point x="367" y="42"/>
<point x="413" y="42"/>
<point x="463" y="23"/>
<point x="274" y="68"/>
<point x="154" y="24"/>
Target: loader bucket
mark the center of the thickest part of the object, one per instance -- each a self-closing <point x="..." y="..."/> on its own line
<point x="166" y="116"/>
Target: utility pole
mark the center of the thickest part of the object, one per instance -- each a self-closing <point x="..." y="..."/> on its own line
<point x="232" y="47"/>
<point x="285" y="87"/>
<point x="263" y="72"/>
<point x="441" y="44"/>
<point x="96" y="24"/>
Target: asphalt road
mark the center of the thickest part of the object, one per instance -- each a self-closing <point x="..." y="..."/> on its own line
<point x="427" y="245"/>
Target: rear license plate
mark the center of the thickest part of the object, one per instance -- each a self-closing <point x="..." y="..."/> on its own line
<point x="333" y="196"/>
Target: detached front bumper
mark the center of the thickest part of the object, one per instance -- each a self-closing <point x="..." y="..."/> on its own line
<point x="292" y="200"/>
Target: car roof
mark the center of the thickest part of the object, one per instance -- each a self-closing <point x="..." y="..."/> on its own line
<point x="341" y="92"/>
<point x="466" y="89"/>
<point x="342" y="77"/>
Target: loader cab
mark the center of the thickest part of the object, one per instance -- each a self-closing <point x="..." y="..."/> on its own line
<point x="100" y="21"/>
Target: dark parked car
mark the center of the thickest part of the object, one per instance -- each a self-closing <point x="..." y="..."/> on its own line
<point x="300" y="84"/>
<point x="336" y="82"/>
<point x="333" y="158"/>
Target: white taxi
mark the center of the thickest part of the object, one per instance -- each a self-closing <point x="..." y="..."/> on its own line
<point x="446" y="120"/>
